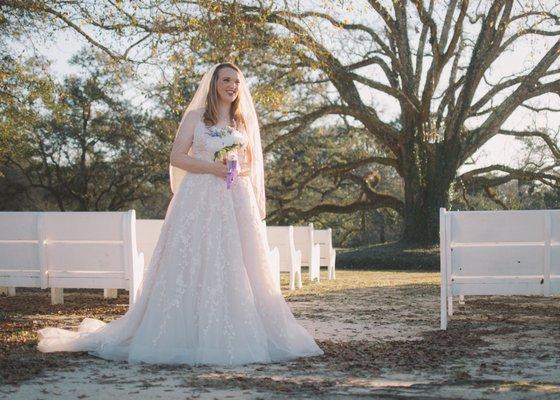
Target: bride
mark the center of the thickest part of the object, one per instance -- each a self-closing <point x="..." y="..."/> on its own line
<point x="207" y="296"/>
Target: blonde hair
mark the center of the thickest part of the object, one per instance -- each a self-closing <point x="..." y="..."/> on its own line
<point x="210" y="116"/>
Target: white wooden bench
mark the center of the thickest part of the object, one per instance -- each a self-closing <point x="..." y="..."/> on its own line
<point x="282" y="237"/>
<point x="327" y="253"/>
<point x="60" y="250"/>
<point x="310" y="252"/>
<point x="274" y="260"/>
<point x="498" y="253"/>
<point x="147" y="235"/>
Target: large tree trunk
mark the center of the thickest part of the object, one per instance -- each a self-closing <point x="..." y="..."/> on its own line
<point x="421" y="218"/>
<point x="428" y="177"/>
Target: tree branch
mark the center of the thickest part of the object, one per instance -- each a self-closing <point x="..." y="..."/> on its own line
<point x="552" y="144"/>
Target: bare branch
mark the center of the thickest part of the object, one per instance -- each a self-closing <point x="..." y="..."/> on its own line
<point x="552" y="144"/>
<point x="473" y="176"/>
<point x="384" y="132"/>
<point x="529" y="87"/>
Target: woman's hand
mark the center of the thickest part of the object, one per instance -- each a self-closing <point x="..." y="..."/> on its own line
<point x="219" y="169"/>
<point x="244" y="165"/>
<point x="245" y="169"/>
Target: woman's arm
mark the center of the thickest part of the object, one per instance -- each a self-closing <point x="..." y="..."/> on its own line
<point x="182" y="144"/>
<point x="246" y="165"/>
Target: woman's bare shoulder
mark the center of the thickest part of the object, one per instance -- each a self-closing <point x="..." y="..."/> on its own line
<point x="196" y="113"/>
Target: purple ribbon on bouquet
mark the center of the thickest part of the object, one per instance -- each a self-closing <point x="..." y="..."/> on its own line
<point x="232" y="172"/>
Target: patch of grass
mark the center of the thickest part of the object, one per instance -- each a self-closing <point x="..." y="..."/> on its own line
<point x="21" y="316"/>
<point x="30" y="310"/>
<point x="383" y="323"/>
<point x="394" y="255"/>
<point x="354" y="279"/>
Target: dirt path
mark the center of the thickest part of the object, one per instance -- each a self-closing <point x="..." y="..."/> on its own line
<point x="379" y="331"/>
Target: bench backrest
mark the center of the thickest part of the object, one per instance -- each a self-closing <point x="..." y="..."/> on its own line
<point x="20" y="263"/>
<point x="501" y="252"/>
<point x="147" y="235"/>
<point x="68" y="249"/>
<point x="323" y="237"/>
<point x="303" y="240"/>
<point x="283" y="238"/>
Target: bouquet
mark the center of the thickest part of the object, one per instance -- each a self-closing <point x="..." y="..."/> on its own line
<point x="227" y="152"/>
<point x="233" y="168"/>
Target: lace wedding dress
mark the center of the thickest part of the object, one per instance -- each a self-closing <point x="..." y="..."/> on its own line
<point x="208" y="295"/>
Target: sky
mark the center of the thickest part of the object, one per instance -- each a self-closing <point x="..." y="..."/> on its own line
<point x="499" y="150"/>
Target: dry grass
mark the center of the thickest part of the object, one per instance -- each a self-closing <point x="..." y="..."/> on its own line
<point x="351" y="280"/>
<point x="372" y="325"/>
<point x="21" y="316"/>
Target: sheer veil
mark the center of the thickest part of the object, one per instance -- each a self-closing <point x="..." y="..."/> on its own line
<point x="253" y="132"/>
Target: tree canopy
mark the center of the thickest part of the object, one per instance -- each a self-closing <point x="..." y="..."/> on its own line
<point x="318" y="76"/>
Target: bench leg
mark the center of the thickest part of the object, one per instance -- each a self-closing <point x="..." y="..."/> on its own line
<point x="461" y="299"/>
<point x="449" y="306"/>
<point x="331" y="272"/>
<point x="57" y="296"/>
<point x="443" y="310"/>
<point x="299" y="279"/>
<point x="292" y="280"/>
<point x="314" y="276"/>
<point x="8" y="290"/>
<point x="110" y="293"/>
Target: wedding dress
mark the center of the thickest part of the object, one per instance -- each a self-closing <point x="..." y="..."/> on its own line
<point x="208" y="295"/>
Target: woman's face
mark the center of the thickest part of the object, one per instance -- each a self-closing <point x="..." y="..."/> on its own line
<point x="228" y="84"/>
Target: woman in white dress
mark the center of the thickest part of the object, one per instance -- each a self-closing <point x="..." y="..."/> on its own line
<point x="208" y="295"/>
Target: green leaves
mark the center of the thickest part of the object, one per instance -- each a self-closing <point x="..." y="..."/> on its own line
<point x="80" y="145"/>
<point x="220" y="154"/>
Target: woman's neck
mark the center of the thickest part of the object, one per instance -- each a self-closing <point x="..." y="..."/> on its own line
<point x="224" y="112"/>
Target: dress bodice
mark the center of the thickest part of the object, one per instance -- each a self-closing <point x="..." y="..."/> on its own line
<point x="209" y="139"/>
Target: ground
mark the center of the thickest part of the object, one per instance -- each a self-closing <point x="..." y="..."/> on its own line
<point x="379" y="330"/>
